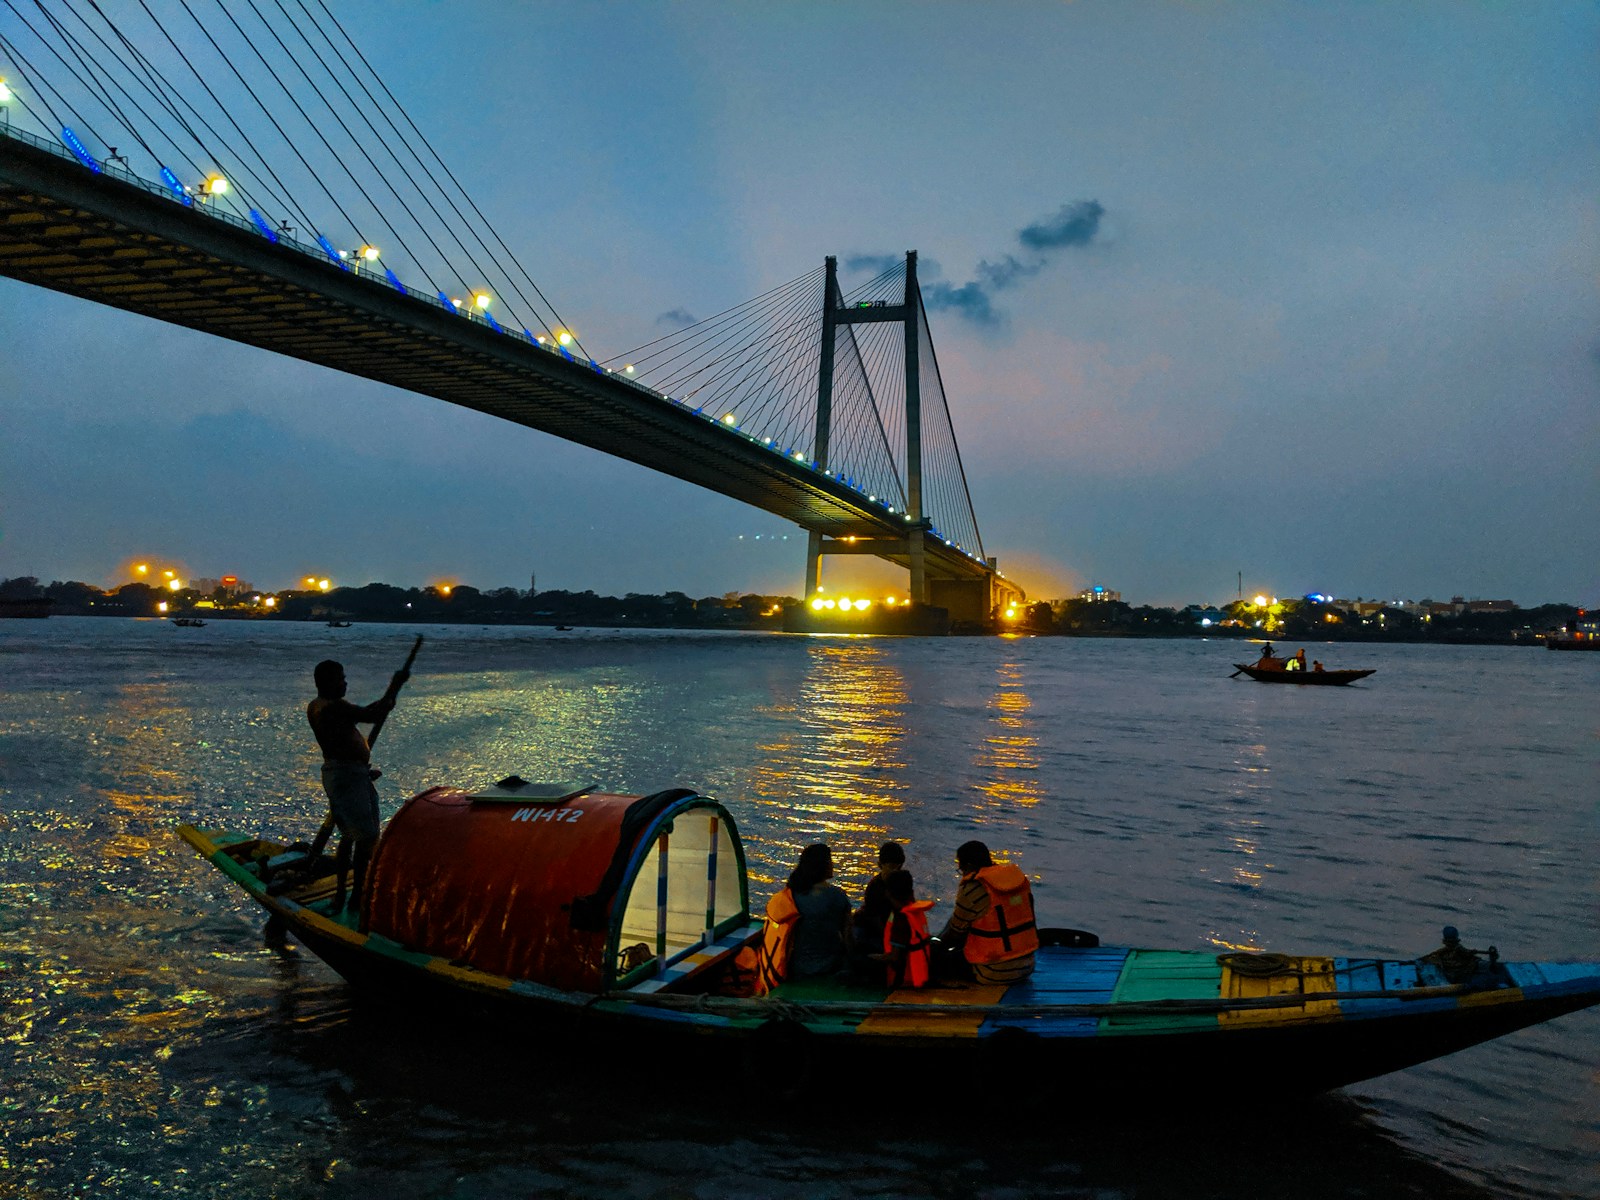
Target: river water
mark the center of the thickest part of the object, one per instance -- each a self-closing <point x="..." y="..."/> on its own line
<point x="152" y="1045"/>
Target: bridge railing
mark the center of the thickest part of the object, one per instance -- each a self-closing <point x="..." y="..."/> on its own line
<point x="325" y="253"/>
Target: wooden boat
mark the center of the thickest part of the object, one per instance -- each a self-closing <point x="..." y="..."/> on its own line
<point x="338" y="624"/>
<point x="610" y="927"/>
<point x="189" y="622"/>
<point x="1572" y="641"/>
<point x="1314" y="678"/>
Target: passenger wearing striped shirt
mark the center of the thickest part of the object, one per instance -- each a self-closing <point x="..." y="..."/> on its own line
<point x="993" y="924"/>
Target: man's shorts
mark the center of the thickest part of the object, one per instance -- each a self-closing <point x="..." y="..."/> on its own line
<point x="352" y="798"/>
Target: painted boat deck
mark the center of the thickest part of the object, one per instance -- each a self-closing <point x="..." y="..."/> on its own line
<point x="1107" y="992"/>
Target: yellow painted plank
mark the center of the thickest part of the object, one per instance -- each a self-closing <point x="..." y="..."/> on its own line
<point x="1302" y="977"/>
<point x="1484" y="999"/>
<point x="943" y="1024"/>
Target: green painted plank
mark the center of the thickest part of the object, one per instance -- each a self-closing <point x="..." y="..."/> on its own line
<point x="1154" y="975"/>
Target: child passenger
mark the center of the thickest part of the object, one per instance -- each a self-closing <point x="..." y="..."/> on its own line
<point x="905" y="936"/>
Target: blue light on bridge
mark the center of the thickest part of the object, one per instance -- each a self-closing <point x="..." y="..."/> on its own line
<point x="267" y="231"/>
<point x="73" y="144"/>
<point x="327" y="248"/>
<point x="177" y="189"/>
<point x="394" y="281"/>
<point x="445" y="300"/>
<point x="492" y="323"/>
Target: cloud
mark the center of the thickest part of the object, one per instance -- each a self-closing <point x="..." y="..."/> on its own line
<point x="876" y="263"/>
<point x="1075" y="224"/>
<point x="679" y="317"/>
<point x="969" y="300"/>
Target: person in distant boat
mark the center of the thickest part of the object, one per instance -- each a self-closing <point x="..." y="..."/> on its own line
<point x="866" y="926"/>
<point x="819" y="933"/>
<point x="1316" y="665"/>
<point x="347" y="771"/>
<point x="1269" y="661"/>
<point x="1298" y="662"/>
<point x="993" y="926"/>
<point x="907" y="949"/>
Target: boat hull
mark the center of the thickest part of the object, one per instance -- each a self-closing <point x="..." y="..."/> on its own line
<point x="1094" y="1024"/>
<point x="1301" y="678"/>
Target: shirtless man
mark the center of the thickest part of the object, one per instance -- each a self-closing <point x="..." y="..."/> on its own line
<point x="347" y="771"/>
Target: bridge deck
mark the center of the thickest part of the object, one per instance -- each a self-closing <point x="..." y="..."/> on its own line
<point x="113" y="241"/>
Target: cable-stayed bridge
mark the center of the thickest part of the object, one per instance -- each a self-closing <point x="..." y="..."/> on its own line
<point x="821" y="407"/>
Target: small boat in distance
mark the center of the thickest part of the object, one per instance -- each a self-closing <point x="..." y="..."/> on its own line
<point x="1314" y="678"/>
<point x="338" y="624"/>
<point x="562" y="910"/>
<point x="188" y="622"/>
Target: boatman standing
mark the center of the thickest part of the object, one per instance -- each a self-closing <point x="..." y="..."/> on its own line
<point x="993" y="923"/>
<point x="347" y="771"/>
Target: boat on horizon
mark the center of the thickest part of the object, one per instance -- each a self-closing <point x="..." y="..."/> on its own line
<point x="189" y="622"/>
<point x="617" y="928"/>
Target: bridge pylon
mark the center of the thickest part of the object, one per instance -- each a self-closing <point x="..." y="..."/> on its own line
<point x="969" y="599"/>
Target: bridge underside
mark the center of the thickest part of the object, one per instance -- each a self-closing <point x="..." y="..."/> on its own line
<point x="65" y="228"/>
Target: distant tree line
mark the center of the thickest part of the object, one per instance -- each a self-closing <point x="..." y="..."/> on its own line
<point x="1291" y="621"/>
<point x="386" y="602"/>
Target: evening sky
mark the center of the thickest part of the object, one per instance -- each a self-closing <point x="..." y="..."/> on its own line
<point x="1280" y="297"/>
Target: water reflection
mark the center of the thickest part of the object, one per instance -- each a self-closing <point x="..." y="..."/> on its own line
<point x="1007" y="761"/>
<point x="837" y="773"/>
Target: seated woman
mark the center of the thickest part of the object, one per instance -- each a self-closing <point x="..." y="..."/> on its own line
<point x="818" y="939"/>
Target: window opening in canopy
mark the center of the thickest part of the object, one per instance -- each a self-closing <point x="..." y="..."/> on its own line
<point x="685" y="891"/>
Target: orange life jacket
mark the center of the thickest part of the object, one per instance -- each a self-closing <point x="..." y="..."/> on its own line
<point x="772" y="968"/>
<point x="918" y="952"/>
<point x="1006" y="929"/>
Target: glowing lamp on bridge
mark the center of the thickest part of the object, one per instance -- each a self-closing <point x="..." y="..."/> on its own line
<point x="564" y="338"/>
<point x="215" y="185"/>
<point x="141" y="569"/>
<point x="628" y="370"/>
<point x="370" y="253"/>
<point x="482" y="300"/>
<point x="1011" y="613"/>
<point x="730" y="420"/>
<point x="5" y="93"/>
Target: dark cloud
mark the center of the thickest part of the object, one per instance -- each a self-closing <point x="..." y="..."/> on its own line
<point x="679" y="317"/>
<point x="1076" y="224"/>
<point x="969" y="300"/>
<point x="1006" y="272"/>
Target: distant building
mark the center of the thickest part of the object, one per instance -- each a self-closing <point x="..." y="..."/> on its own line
<point x="231" y="584"/>
<point x="1099" y="594"/>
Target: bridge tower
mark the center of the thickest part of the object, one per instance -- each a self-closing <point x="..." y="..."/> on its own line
<point x="967" y="599"/>
<point x="834" y="314"/>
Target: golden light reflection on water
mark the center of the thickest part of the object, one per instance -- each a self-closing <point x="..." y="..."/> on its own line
<point x="1008" y="758"/>
<point x="840" y="774"/>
